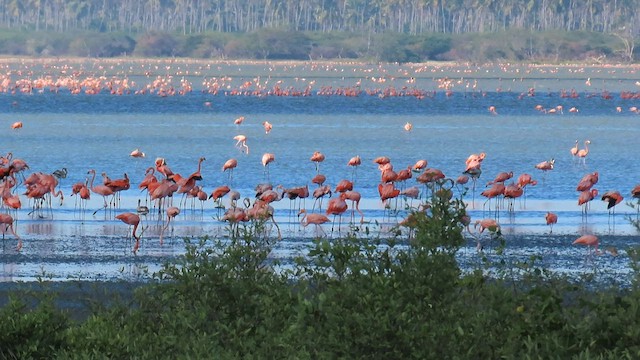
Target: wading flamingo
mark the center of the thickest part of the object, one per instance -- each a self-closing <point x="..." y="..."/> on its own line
<point x="172" y="212"/>
<point x="589" y="241"/>
<point x="551" y="219"/>
<point x="241" y="143"/>
<point x="131" y="219"/>
<point x="267" y="158"/>
<point x="582" y="153"/>
<point x="7" y="221"/>
<point x="313" y="218"/>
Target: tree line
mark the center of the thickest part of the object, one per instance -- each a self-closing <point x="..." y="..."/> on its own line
<point x="366" y="16"/>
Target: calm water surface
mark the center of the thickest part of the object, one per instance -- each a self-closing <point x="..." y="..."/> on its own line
<point x="83" y="132"/>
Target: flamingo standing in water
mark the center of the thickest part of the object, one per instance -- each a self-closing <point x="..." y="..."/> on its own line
<point x="101" y="190"/>
<point x="230" y="165"/>
<point x="589" y="241"/>
<point x="267" y="127"/>
<point x="241" y="143"/>
<point x="267" y="158"/>
<point x="551" y="219"/>
<point x="313" y="218"/>
<point x="317" y="158"/>
<point x="612" y="198"/>
<point x="582" y="153"/>
<point x="574" y="150"/>
<point x="337" y="206"/>
<point x="7" y="221"/>
<point x="354" y="162"/>
<point x="172" y="212"/>
<point x="131" y="219"/>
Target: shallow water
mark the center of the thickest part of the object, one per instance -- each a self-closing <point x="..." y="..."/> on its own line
<point x="83" y="132"/>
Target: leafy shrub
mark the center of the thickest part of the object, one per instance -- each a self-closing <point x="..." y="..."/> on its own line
<point x="350" y="297"/>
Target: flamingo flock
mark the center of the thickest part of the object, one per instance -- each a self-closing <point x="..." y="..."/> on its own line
<point x="160" y="183"/>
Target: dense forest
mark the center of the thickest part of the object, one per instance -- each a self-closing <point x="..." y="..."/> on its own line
<point x="322" y="28"/>
<point x="403" y="16"/>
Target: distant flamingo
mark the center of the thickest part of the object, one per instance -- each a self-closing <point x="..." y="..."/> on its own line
<point x="319" y="193"/>
<point x="585" y="197"/>
<point x="408" y="126"/>
<point x="582" y="153"/>
<point x="319" y="179"/>
<point x="267" y="127"/>
<point x="354" y="162"/>
<point x="546" y="165"/>
<point x="137" y="154"/>
<point x="612" y="198"/>
<point x="238" y="120"/>
<point x="230" y="165"/>
<point x="317" y="158"/>
<point x="355" y="197"/>
<point x="313" y="218"/>
<point x="551" y="219"/>
<point x="16" y="125"/>
<point x="501" y="177"/>
<point x="419" y="165"/>
<point x="241" y="143"/>
<point x="490" y="225"/>
<point x="336" y="207"/>
<point x="131" y="219"/>
<point x="492" y="110"/>
<point x="172" y="212"/>
<point x="7" y="221"/>
<point x="101" y="190"/>
<point x="344" y="185"/>
<point x="267" y="158"/>
<point x="574" y="150"/>
<point x="589" y="241"/>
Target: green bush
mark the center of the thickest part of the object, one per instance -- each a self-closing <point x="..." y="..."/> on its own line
<point x="357" y="296"/>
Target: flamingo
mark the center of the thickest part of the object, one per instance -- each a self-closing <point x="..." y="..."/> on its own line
<point x="551" y="219"/>
<point x="137" y="154"/>
<point x="131" y="219"/>
<point x="319" y="193"/>
<point x="267" y="158"/>
<point x="574" y="150"/>
<point x="589" y="241"/>
<point x="312" y="218"/>
<point x="241" y="143"/>
<point x="336" y="207"/>
<point x="344" y="185"/>
<point x="419" y="165"/>
<point x="7" y="221"/>
<point x="230" y="165"/>
<point x="354" y="197"/>
<point x="172" y="212"/>
<point x="354" y="162"/>
<point x="612" y="198"/>
<point x="101" y="190"/>
<point x="490" y="225"/>
<point x="546" y="165"/>
<point x="582" y="153"/>
<point x="267" y="127"/>
<point x="317" y="158"/>
<point x="585" y="197"/>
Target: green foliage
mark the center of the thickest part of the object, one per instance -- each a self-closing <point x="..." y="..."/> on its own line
<point x="30" y="333"/>
<point x="349" y="297"/>
<point x="156" y="44"/>
<point x="277" y="44"/>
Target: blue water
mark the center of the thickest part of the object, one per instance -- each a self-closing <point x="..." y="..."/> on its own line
<point x="83" y="132"/>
